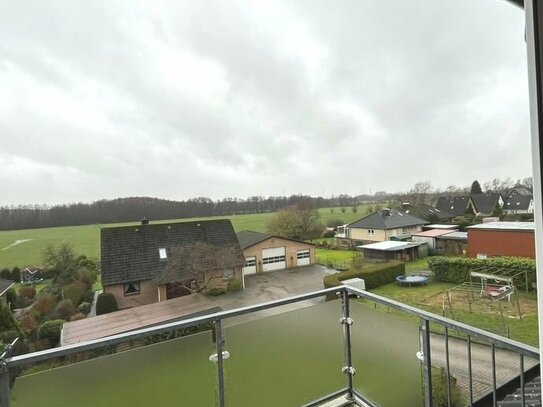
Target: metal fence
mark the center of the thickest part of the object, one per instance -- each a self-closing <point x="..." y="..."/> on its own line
<point x="348" y="395"/>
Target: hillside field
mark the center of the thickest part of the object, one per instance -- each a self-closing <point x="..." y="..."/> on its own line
<point x="24" y="247"/>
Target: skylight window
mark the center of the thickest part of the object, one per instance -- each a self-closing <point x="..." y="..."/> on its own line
<point x="162" y="253"/>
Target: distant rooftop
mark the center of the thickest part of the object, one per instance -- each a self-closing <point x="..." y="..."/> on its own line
<point x="454" y="236"/>
<point x="505" y="226"/>
<point x="440" y="226"/>
<point x="389" y="245"/>
<point x="432" y="233"/>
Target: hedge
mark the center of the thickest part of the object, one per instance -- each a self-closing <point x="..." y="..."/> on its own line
<point x="51" y="330"/>
<point x="374" y="275"/>
<point x="457" y="270"/>
<point x="105" y="304"/>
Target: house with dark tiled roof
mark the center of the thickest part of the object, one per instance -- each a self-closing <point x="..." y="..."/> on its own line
<point x="519" y="200"/>
<point x="474" y="204"/>
<point x="264" y="252"/>
<point x="147" y="263"/>
<point x="485" y="204"/>
<point x="428" y="212"/>
<point x="457" y="205"/>
<point x="380" y="226"/>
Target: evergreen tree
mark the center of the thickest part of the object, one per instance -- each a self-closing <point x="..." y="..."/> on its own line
<point x="475" y="188"/>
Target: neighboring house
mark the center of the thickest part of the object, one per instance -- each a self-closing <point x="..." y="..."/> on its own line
<point x="519" y="200"/>
<point x="501" y="239"/>
<point x="475" y="204"/>
<point x="485" y="204"/>
<point x="380" y="226"/>
<point x="424" y="211"/>
<point x="265" y="252"/>
<point x="147" y="263"/>
<point x="5" y="285"/>
<point x="456" y="205"/>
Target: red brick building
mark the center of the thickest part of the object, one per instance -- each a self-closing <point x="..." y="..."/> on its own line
<point x="501" y="239"/>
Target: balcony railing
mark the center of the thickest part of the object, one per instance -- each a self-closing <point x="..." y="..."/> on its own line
<point x="435" y="350"/>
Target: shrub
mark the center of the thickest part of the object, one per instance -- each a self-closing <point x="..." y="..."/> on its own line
<point x="27" y="292"/>
<point x="16" y="274"/>
<point x="25" y="297"/>
<point x="5" y="274"/>
<point x="74" y="292"/>
<point x="374" y="275"/>
<point x="216" y="291"/>
<point x="87" y="277"/>
<point x="439" y="390"/>
<point x="105" y="304"/>
<point x="84" y="308"/>
<point x="334" y="223"/>
<point x="45" y="304"/>
<point x="457" y="270"/>
<point x="234" y="286"/>
<point x="28" y="323"/>
<point x="53" y="290"/>
<point x="77" y="316"/>
<point x="329" y="233"/>
<point x="51" y="330"/>
<point x="64" y="310"/>
<point x="88" y="296"/>
<point x="11" y="298"/>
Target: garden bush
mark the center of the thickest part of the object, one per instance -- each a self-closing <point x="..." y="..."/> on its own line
<point x="105" y="304"/>
<point x="28" y="323"/>
<point x="374" y="275"/>
<point x="16" y="274"/>
<point x="216" y="291"/>
<point x="234" y="286"/>
<point x="74" y="292"/>
<point x="51" y="330"/>
<point x="11" y="298"/>
<point x="53" y="290"/>
<point x="87" y="277"/>
<point x="457" y="270"/>
<point x="45" y="304"/>
<point x="25" y="297"/>
<point x="64" y="310"/>
<point x="5" y="274"/>
<point x="84" y="308"/>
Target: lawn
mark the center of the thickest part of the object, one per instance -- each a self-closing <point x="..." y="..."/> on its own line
<point x="485" y="316"/>
<point x="86" y="239"/>
<point x="336" y="258"/>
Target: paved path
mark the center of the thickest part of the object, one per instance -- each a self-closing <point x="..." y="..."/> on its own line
<point x="92" y="312"/>
<point x="507" y="364"/>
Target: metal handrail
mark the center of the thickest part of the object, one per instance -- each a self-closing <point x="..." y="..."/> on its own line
<point x="27" y="359"/>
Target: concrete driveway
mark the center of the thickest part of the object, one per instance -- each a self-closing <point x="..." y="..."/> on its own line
<point x="274" y="285"/>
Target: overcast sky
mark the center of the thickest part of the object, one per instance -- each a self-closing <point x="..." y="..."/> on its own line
<point x="177" y="99"/>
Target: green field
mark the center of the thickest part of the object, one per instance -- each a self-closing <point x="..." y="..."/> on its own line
<point x="86" y="239"/>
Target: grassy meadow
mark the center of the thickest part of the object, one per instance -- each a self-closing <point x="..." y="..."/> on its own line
<point x="86" y="239"/>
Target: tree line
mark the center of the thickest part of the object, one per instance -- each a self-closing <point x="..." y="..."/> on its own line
<point x="135" y="208"/>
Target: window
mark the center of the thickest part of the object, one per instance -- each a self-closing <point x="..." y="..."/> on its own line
<point x="228" y="274"/>
<point x="131" y="289"/>
<point x="371" y="232"/>
<point x="274" y="259"/>
<point x="162" y="253"/>
<point x="302" y="254"/>
<point x="250" y="262"/>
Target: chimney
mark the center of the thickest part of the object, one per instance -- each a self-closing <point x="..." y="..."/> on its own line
<point x="145" y="221"/>
<point x="385" y="212"/>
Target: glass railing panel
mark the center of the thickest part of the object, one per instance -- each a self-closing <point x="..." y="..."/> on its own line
<point x="384" y="349"/>
<point x="175" y="372"/>
<point x="287" y="359"/>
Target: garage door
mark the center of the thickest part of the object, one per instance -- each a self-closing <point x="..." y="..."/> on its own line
<point x="303" y="258"/>
<point x="250" y="265"/>
<point x="274" y="259"/>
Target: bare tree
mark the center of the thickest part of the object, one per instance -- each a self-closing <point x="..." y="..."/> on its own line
<point x="296" y="222"/>
<point x="200" y="263"/>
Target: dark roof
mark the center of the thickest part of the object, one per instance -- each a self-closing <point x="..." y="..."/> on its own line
<point x="518" y="202"/>
<point x="457" y="205"/>
<point x="248" y="238"/>
<point x="131" y="253"/>
<point x="387" y="219"/>
<point x="5" y="285"/>
<point x="485" y="203"/>
<point x="519" y="191"/>
<point x="424" y="211"/>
